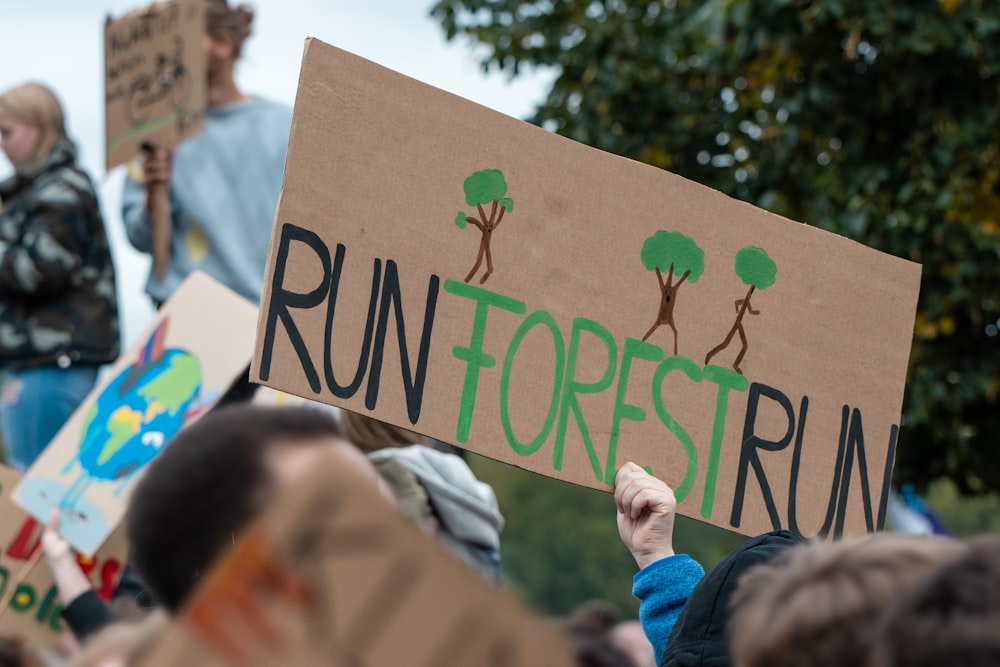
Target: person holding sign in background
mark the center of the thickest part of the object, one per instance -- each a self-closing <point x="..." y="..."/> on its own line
<point x="223" y="183"/>
<point x="58" y="306"/>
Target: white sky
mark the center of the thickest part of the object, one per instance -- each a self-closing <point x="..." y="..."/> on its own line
<point x="59" y="43"/>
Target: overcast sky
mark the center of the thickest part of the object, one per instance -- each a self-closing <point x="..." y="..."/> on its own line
<point x="59" y="42"/>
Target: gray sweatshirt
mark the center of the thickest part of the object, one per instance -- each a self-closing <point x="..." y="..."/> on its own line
<point x="223" y="194"/>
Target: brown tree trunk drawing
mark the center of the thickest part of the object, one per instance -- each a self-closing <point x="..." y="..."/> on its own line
<point x="742" y="306"/>
<point x="486" y="226"/>
<point x="668" y="298"/>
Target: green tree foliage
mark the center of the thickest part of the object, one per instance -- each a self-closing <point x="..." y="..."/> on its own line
<point x="877" y="119"/>
<point x="673" y="252"/>
<point x="755" y="267"/>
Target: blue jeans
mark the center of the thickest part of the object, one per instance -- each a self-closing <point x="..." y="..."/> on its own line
<point x="35" y="404"/>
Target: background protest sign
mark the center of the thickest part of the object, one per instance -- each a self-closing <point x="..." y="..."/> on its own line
<point x="333" y="575"/>
<point x="154" y="90"/>
<point x="154" y="78"/>
<point x="200" y="342"/>
<point x="29" y="602"/>
<point x="482" y="281"/>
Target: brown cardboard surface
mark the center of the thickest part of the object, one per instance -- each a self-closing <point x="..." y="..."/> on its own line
<point x="154" y="78"/>
<point x="333" y="575"/>
<point x="394" y="190"/>
<point x="201" y="340"/>
<point x="29" y="603"/>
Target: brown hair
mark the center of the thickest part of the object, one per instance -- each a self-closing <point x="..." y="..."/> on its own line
<point x="36" y="105"/>
<point x="371" y="435"/>
<point x="131" y="641"/>
<point x="232" y="22"/>
<point x="817" y="604"/>
<point x="951" y="618"/>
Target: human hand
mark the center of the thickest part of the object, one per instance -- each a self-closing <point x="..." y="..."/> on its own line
<point x="57" y="550"/>
<point x="156" y="166"/>
<point x="646" y="510"/>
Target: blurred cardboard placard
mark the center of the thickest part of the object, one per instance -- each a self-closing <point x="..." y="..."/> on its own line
<point x="29" y="601"/>
<point x="335" y="576"/>
<point x="200" y="342"/>
<point x="154" y="78"/>
<point x="479" y="280"/>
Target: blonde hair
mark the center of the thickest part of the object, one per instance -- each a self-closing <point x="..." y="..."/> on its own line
<point x="232" y="22"/>
<point x="817" y="604"/>
<point x="36" y="105"/>
<point x="370" y="435"/>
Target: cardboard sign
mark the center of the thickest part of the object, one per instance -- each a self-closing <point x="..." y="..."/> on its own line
<point x="487" y="283"/>
<point x="29" y="602"/>
<point x="154" y="78"/>
<point x="334" y="576"/>
<point x="200" y="342"/>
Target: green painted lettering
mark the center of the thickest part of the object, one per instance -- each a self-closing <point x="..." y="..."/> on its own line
<point x="634" y="349"/>
<point x="572" y="387"/>
<point x="473" y="355"/>
<point x="691" y="369"/>
<point x="727" y="380"/>
<point x="539" y="317"/>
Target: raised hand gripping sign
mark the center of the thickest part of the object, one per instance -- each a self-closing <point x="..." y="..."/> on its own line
<point x="482" y="281"/>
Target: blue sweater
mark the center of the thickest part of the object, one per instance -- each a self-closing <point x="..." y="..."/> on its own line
<point x="223" y="194"/>
<point x="662" y="589"/>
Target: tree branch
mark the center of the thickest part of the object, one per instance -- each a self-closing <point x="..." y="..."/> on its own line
<point x="683" y="278"/>
<point x="496" y="225"/>
<point x="659" y="277"/>
<point x="482" y="213"/>
<point x="476" y="223"/>
<point x="670" y="276"/>
<point x="493" y="214"/>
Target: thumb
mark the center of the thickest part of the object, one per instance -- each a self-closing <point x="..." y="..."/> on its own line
<point x="53" y="522"/>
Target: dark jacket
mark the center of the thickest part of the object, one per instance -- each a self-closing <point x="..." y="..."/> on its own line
<point x="699" y="635"/>
<point x="57" y="284"/>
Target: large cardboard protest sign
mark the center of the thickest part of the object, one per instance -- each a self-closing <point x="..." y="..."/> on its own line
<point x="29" y="602"/>
<point x="482" y="281"/>
<point x="154" y="77"/>
<point x="334" y="576"/>
<point x="199" y="344"/>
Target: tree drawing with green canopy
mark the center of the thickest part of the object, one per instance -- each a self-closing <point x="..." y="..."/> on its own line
<point x="756" y="269"/>
<point x="675" y="254"/>
<point x="485" y="188"/>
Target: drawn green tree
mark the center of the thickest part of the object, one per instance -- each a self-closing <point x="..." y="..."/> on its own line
<point x="675" y="254"/>
<point x="756" y="269"/>
<point x="485" y="188"/>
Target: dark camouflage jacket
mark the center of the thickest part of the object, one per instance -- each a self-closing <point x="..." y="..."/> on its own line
<point x="57" y="284"/>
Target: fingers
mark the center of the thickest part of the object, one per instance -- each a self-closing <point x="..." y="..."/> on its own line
<point x="636" y="490"/>
<point x="156" y="166"/>
<point x="53" y="522"/>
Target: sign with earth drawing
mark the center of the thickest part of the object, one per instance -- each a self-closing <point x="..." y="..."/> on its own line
<point x="616" y="313"/>
<point x="201" y="341"/>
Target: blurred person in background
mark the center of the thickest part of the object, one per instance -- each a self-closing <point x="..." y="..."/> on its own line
<point x="435" y="489"/>
<point x="58" y="306"/>
<point x="223" y="183"/>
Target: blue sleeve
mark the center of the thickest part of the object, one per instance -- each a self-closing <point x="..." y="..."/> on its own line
<point x="662" y="589"/>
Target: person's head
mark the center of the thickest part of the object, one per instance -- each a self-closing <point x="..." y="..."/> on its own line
<point x="950" y="618"/>
<point x="595" y="618"/>
<point x="371" y="435"/>
<point x="15" y="652"/>
<point x="227" y="28"/>
<point x="594" y="651"/>
<point x="214" y="479"/>
<point x="631" y="640"/>
<point x="31" y="122"/>
<point x="817" y="604"/>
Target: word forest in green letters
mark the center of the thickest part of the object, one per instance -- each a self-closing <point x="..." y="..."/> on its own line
<point x="479" y="280"/>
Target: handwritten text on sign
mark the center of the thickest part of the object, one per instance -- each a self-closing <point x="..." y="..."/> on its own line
<point x="154" y="77"/>
<point x="481" y="281"/>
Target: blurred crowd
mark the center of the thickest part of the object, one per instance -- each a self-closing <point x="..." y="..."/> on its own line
<point x="779" y="600"/>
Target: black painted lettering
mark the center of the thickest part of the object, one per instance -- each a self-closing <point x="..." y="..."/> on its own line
<point x="413" y="381"/>
<point x="856" y="449"/>
<point x="749" y="456"/>
<point x="281" y="300"/>
<point x="831" y="508"/>
<point x="339" y="390"/>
